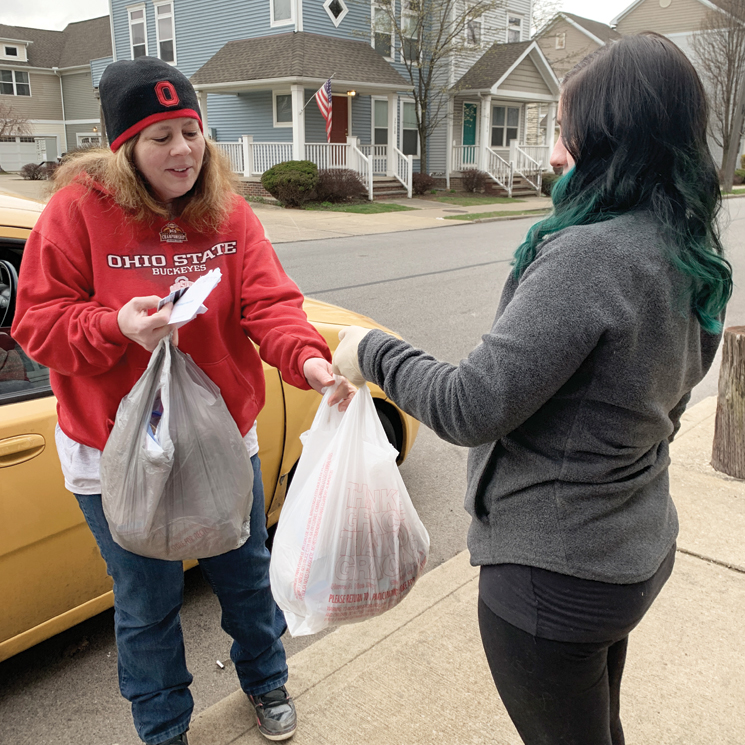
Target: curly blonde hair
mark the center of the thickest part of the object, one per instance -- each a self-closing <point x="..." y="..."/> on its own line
<point x="205" y="207"/>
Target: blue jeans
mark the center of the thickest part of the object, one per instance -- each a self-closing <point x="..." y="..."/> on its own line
<point x="148" y="594"/>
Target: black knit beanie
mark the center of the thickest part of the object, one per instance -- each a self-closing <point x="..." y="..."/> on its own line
<point x="138" y="93"/>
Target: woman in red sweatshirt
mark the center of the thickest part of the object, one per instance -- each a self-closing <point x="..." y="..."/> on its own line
<point x="124" y="228"/>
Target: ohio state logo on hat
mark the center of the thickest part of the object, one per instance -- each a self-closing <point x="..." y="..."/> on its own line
<point x="137" y="93"/>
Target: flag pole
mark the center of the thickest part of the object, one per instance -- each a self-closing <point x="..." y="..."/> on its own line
<point x="314" y="95"/>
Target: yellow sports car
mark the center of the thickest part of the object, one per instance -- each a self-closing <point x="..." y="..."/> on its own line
<point x="51" y="573"/>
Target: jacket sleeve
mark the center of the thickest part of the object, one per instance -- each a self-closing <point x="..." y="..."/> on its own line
<point x="57" y="322"/>
<point x="272" y="312"/>
<point x="551" y="324"/>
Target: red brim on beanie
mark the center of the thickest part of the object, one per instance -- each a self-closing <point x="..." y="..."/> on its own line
<point x="152" y="119"/>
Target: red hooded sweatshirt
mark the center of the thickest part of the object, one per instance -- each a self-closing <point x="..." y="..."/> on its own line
<point x="86" y="258"/>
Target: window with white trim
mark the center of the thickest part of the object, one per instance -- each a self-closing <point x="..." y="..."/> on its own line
<point x="13" y="52"/>
<point x="165" y="32"/>
<point x="382" y="30"/>
<point x="88" y="139"/>
<point x="137" y="32"/>
<point x="473" y="30"/>
<point x="380" y="121"/>
<point x="514" y="28"/>
<point x="14" y="83"/>
<point x="282" y="109"/>
<point x="561" y="40"/>
<point x="410" y="22"/>
<point x="505" y="124"/>
<point x="282" y="12"/>
<point x="409" y="131"/>
<point x="337" y="10"/>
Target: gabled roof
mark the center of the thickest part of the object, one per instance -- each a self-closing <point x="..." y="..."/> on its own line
<point x="710" y="4"/>
<point x="78" y="44"/>
<point x="600" y="31"/>
<point x="492" y="66"/>
<point x="297" y="55"/>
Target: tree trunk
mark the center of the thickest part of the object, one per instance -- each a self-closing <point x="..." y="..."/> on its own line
<point x="728" y="454"/>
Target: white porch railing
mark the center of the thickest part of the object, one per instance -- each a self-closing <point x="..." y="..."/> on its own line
<point x="234" y="151"/>
<point x="500" y="170"/>
<point x="465" y="157"/>
<point x="379" y="155"/>
<point x="539" y="153"/>
<point x="529" y="168"/>
<point x="327" y="154"/>
<point x="363" y="164"/>
<point x="268" y="154"/>
<point x="404" y="169"/>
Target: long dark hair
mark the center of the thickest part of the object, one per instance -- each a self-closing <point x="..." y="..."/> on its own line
<point x="634" y="118"/>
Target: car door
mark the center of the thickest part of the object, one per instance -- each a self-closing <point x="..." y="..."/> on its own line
<point x="51" y="574"/>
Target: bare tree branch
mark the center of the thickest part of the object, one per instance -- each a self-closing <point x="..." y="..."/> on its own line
<point x="427" y="35"/>
<point x="719" y="50"/>
<point x="12" y="122"/>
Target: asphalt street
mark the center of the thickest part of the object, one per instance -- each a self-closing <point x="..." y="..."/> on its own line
<point x="437" y="288"/>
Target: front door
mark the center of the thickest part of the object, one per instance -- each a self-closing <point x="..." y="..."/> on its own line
<point x="339" y="119"/>
<point x="470" y="123"/>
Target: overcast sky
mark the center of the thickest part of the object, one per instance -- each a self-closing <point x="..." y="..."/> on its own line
<point x="56" y="14"/>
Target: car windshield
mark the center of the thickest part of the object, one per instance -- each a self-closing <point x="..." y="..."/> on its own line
<point x="20" y="377"/>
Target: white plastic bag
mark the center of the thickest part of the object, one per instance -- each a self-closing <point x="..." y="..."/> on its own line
<point x="176" y="477"/>
<point x="349" y="544"/>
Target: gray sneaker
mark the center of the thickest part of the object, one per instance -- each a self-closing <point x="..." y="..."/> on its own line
<point x="275" y="714"/>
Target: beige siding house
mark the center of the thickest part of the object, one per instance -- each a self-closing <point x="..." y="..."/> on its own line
<point x="568" y="38"/>
<point x="45" y="76"/>
<point x="679" y="20"/>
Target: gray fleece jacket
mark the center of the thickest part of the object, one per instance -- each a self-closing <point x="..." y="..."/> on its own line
<point x="568" y="404"/>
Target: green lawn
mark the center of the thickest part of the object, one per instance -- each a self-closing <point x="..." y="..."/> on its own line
<point x="366" y="208"/>
<point x="503" y="213"/>
<point x="735" y="191"/>
<point x="477" y="199"/>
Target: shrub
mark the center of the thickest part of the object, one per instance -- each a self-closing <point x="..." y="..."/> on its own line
<point x="339" y="185"/>
<point x="473" y="179"/>
<point x="742" y="162"/>
<point x="739" y="177"/>
<point x="33" y="172"/>
<point x="293" y="182"/>
<point x="548" y="179"/>
<point x="421" y="182"/>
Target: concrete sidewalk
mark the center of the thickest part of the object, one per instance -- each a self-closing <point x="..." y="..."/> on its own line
<point x="285" y="225"/>
<point x="417" y="675"/>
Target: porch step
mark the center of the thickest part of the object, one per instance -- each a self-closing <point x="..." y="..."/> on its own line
<point x="388" y="187"/>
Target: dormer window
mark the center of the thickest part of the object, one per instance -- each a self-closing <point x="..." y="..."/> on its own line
<point x="13" y="52"/>
<point x="561" y="40"/>
<point x="336" y="9"/>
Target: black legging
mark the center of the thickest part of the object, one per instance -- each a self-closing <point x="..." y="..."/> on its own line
<point x="556" y="693"/>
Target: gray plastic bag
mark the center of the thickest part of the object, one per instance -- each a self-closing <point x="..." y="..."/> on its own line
<point x="176" y="477"/>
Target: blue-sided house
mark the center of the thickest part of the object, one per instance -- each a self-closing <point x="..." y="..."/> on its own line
<point x="256" y="65"/>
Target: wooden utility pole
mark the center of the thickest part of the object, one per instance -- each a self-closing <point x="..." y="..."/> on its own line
<point x="728" y="453"/>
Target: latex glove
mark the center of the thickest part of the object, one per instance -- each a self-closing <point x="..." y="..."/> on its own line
<point x="140" y="327"/>
<point x="318" y="373"/>
<point x="346" y="360"/>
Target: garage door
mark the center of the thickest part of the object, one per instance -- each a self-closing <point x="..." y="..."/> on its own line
<point x="15" y="152"/>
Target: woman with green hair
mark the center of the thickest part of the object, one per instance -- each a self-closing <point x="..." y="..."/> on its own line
<point x="611" y="315"/>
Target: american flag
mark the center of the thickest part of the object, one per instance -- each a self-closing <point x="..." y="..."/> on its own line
<point x="323" y="99"/>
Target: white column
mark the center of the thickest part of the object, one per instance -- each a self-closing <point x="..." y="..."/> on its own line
<point x="298" y="122"/>
<point x="248" y="154"/>
<point x="550" y="134"/>
<point x="202" y="98"/>
<point x="484" y="130"/>
<point x="392" y="132"/>
<point x="450" y="141"/>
